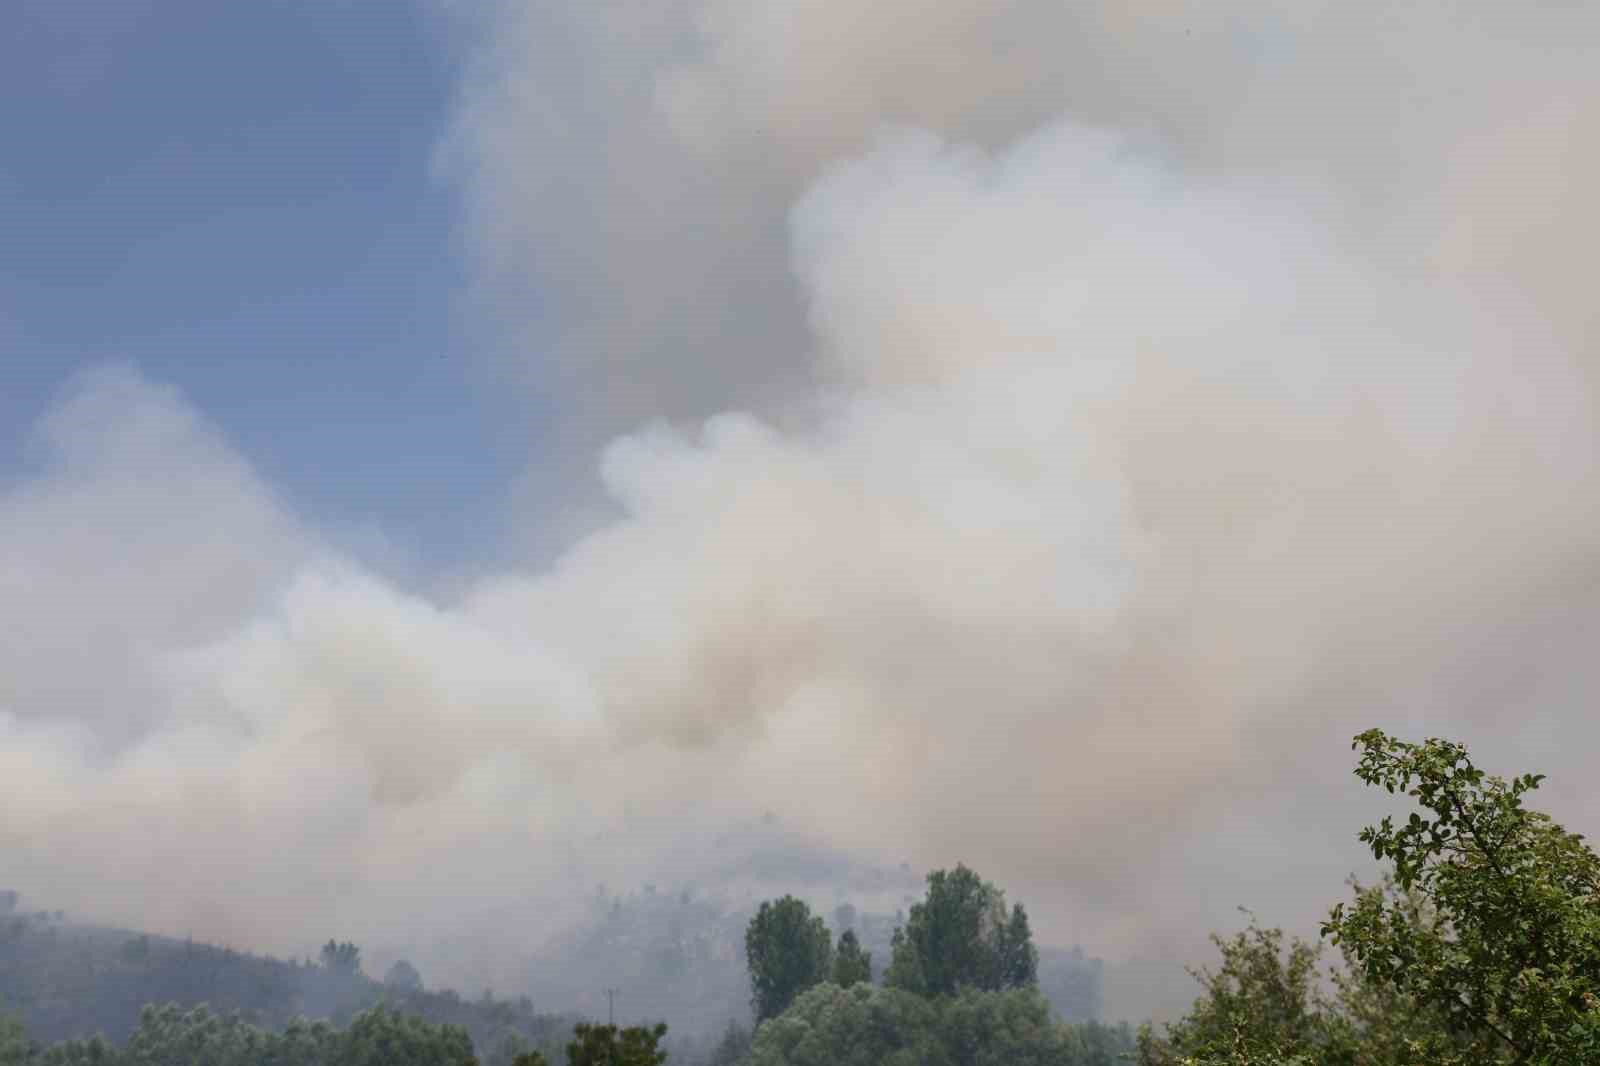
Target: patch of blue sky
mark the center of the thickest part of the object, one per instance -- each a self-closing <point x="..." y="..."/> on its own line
<point x="238" y="199"/>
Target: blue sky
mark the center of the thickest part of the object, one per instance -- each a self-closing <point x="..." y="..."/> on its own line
<point x="238" y="199"/>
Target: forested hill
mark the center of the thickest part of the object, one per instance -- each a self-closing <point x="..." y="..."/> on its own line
<point x="65" y="980"/>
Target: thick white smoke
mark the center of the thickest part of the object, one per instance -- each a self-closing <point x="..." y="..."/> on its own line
<point x="1135" y="401"/>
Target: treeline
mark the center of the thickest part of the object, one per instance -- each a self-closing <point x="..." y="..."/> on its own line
<point x="380" y="1037"/>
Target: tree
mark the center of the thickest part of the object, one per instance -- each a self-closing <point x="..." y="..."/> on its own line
<point x="1261" y="1005"/>
<point x="342" y="958"/>
<point x="14" y="1046"/>
<point x="850" y="963"/>
<point x="606" y="1045"/>
<point x="787" y="950"/>
<point x="960" y="936"/>
<point x="865" y="1025"/>
<point x="403" y="977"/>
<point x="874" y="1025"/>
<point x="384" y="1038"/>
<point x="1495" y="924"/>
<point x="1018" y="959"/>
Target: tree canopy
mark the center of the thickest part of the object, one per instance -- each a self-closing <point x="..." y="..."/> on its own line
<point x="851" y="964"/>
<point x="874" y="1025"/>
<point x="788" y="950"/>
<point x="961" y="936"/>
<point x="1506" y="943"/>
<point x="1482" y="945"/>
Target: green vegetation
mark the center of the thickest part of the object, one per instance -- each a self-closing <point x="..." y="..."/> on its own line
<point x="1483" y="946"/>
<point x="851" y="965"/>
<point x="171" y="1037"/>
<point x="961" y="990"/>
<point x="877" y="1025"/>
<point x="960" y="936"/>
<point x="788" y="950"/>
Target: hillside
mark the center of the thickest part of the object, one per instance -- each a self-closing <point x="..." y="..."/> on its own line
<point x="67" y="980"/>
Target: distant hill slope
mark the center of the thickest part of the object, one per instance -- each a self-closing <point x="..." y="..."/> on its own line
<point x="65" y="980"/>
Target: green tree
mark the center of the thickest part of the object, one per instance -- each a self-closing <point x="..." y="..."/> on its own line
<point x="14" y="1046"/>
<point x="875" y="1025"/>
<point x="1018" y="959"/>
<point x="864" y="1025"/>
<point x="1262" y="1005"/>
<point x="960" y="936"/>
<point x="381" y="1037"/>
<point x="606" y="1045"/>
<point x="1496" y="924"/>
<point x="787" y="950"/>
<point x="850" y="963"/>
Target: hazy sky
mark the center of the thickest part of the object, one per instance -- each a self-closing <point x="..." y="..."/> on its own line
<point x="239" y="200"/>
<point x="453" y="452"/>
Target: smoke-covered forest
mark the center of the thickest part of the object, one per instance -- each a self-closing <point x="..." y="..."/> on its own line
<point x="1480" y="944"/>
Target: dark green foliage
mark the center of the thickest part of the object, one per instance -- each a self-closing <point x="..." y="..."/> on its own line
<point x="1505" y="944"/>
<point x="787" y="950"/>
<point x="961" y="936"/>
<point x="850" y="963"/>
<point x="1482" y="947"/>
<point x="606" y="1045"/>
<point x="868" y="1025"/>
<point x="1018" y="959"/>
<point x="384" y="1038"/>
<point x="1261" y="1005"/>
<point x="168" y="1036"/>
<point x="865" y="1025"/>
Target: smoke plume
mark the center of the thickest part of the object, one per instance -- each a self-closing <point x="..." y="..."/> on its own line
<point x="1033" y="434"/>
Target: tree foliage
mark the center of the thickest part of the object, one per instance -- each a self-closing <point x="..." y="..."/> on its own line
<point x="851" y="964"/>
<point x="607" y="1045"/>
<point x="1261" y="1005"/>
<point x="1510" y="954"/>
<point x="1481" y="946"/>
<point x="170" y="1036"/>
<point x="961" y="936"/>
<point x="867" y="1025"/>
<point x="788" y="950"/>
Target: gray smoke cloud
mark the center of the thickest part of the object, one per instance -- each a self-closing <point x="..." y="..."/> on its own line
<point x="1038" y="436"/>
